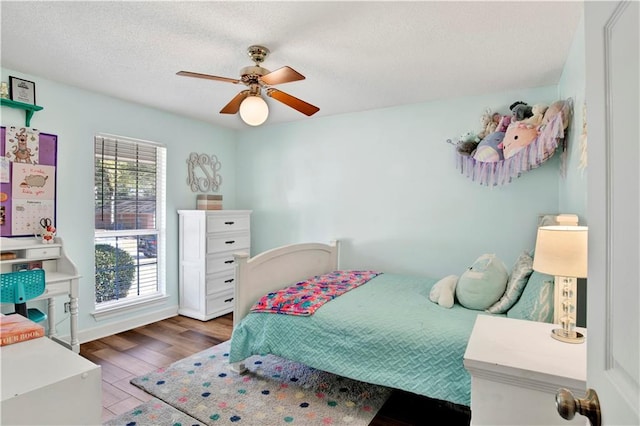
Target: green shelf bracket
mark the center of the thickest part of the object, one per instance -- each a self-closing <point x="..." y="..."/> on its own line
<point x="28" y="108"/>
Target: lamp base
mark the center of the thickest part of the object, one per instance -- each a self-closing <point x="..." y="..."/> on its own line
<point x="567" y="337"/>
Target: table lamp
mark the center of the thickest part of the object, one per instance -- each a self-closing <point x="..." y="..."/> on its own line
<point x="562" y="251"/>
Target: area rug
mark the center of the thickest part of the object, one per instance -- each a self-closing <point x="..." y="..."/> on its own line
<point x="154" y="412"/>
<point x="273" y="391"/>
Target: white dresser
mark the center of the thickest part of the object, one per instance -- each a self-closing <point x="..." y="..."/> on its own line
<point x="516" y="369"/>
<point x="208" y="239"/>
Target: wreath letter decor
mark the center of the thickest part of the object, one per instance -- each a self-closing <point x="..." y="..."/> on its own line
<point x="207" y="165"/>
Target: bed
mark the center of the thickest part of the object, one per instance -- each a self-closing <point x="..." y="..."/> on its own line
<point x="387" y="331"/>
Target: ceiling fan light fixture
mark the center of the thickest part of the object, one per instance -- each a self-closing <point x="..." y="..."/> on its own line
<point x="254" y="110"/>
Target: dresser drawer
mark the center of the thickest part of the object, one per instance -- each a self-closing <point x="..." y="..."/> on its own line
<point x="228" y="242"/>
<point x="220" y="301"/>
<point x="228" y="223"/>
<point x="221" y="262"/>
<point x="220" y="281"/>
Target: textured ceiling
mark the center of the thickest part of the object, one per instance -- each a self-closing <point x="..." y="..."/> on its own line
<point x="356" y="56"/>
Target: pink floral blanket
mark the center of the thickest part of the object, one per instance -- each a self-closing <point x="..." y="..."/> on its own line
<point x="305" y="297"/>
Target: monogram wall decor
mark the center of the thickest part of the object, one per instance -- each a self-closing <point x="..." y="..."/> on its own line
<point x="203" y="172"/>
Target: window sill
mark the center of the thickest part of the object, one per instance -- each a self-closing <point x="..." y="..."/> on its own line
<point x="118" y="309"/>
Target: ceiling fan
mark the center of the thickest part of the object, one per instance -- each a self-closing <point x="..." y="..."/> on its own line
<point x="248" y="102"/>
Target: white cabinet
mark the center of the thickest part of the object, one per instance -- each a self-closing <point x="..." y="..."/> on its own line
<point x="44" y="383"/>
<point x="516" y="369"/>
<point x="208" y="239"/>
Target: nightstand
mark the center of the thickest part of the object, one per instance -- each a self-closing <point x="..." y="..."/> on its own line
<point x="516" y="369"/>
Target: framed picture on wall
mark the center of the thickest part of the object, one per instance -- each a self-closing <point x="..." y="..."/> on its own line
<point x="22" y="90"/>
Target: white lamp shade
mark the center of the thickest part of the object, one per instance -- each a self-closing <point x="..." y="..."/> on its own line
<point x="562" y="251"/>
<point x="254" y="110"/>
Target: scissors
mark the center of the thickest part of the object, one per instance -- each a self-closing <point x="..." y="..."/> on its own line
<point x="45" y="222"/>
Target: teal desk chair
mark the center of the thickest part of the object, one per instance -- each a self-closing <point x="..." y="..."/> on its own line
<point x="21" y="286"/>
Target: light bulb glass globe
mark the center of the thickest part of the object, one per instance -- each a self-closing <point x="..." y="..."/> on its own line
<point x="254" y="110"/>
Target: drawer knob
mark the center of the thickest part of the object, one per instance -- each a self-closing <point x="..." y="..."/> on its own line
<point x="228" y="261"/>
<point x="229" y="223"/>
<point x="230" y="242"/>
<point x="230" y="280"/>
<point x="228" y="300"/>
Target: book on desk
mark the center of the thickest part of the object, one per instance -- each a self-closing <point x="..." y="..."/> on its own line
<point x="15" y="328"/>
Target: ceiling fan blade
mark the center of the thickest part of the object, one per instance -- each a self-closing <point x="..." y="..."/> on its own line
<point x="282" y="75"/>
<point x="208" y="77"/>
<point x="292" y="101"/>
<point x="233" y="106"/>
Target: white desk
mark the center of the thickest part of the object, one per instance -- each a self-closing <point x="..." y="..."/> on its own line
<point x="43" y="383"/>
<point x="516" y="369"/>
<point x="61" y="275"/>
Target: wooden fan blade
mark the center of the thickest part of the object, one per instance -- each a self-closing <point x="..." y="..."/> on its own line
<point x="292" y="101"/>
<point x="207" y="76"/>
<point x="282" y="75"/>
<point x="233" y="106"/>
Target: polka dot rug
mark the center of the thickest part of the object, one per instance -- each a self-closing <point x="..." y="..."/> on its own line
<point x="273" y="391"/>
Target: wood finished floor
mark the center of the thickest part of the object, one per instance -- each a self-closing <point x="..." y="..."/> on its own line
<point x="135" y="352"/>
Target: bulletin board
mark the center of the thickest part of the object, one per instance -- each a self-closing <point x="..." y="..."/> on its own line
<point x="28" y="165"/>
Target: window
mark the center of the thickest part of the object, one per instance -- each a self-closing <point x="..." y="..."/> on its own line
<point x="129" y="221"/>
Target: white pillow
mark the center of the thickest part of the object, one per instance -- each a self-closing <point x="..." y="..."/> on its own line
<point x="443" y="291"/>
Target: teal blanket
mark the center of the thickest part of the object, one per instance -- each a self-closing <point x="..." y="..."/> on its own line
<point x="385" y="332"/>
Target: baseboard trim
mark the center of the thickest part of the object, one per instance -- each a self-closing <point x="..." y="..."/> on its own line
<point x="99" y="332"/>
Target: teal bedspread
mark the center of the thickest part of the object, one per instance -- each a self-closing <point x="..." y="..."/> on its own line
<point x="385" y="332"/>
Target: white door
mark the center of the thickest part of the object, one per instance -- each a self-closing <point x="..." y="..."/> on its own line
<point x="613" y="321"/>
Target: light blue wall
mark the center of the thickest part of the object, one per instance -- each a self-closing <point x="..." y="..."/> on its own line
<point x="385" y="182"/>
<point x="76" y="116"/>
<point x="573" y="187"/>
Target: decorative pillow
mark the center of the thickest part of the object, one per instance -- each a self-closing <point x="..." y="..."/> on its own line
<point x="482" y="285"/>
<point x="443" y="291"/>
<point x="536" y="302"/>
<point x="517" y="281"/>
<point x="519" y="135"/>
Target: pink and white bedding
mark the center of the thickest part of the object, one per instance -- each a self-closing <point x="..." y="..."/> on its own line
<point x="305" y="297"/>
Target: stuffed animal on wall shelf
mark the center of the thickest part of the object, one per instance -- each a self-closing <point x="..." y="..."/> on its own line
<point x="519" y="135"/>
<point x="467" y="143"/>
<point x="504" y="122"/>
<point x="488" y="123"/>
<point x="562" y="106"/>
<point x="538" y="111"/>
<point x="489" y="149"/>
<point x="520" y="110"/>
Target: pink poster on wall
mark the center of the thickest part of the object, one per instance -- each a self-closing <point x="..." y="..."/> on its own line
<point x="33" y="196"/>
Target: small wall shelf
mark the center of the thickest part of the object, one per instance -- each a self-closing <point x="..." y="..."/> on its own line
<point x="28" y="108"/>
